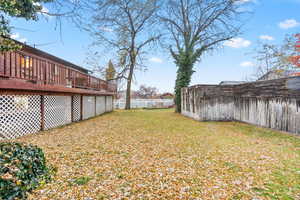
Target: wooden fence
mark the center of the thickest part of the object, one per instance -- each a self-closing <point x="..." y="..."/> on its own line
<point x="273" y="104"/>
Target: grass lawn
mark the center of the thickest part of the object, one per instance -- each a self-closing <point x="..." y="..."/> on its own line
<point x="157" y="154"/>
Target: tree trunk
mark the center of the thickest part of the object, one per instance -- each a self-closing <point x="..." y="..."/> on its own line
<point x="180" y="83"/>
<point x="184" y="75"/>
<point x="128" y="90"/>
<point x="128" y="97"/>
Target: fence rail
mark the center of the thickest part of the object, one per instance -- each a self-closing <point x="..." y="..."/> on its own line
<point x="25" y="66"/>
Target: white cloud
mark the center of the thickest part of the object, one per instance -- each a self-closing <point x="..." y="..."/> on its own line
<point x="237" y="43"/>
<point x="105" y="29"/>
<point x="266" y="37"/>
<point x="289" y="23"/>
<point x="246" y="1"/>
<point x="17" y="36"/>
<point x="156" y="60"/>
<point x="23" y="40"/>
<point x="247" y="64"/>
<point x="44" y="10"/>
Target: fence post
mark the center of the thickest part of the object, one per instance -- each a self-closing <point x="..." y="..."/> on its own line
<point x="42" y="113"/>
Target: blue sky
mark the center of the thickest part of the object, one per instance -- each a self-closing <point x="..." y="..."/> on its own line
<point x="271" y="20"/>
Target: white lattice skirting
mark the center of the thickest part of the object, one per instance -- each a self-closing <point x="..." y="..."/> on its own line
<point x="57" y="111"/>
<point x="25" y="114"/>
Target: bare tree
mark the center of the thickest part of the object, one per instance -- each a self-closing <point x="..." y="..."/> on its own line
<point x="195" y="27"/>
<point x="28" y="10"/>
<point x="147" y="92"/>
<point x="58" y="10"/>
<point x="126" y="28"/>
<point x="265" y="62"/>
<point x="276" y="58"/>
<point x="93" y="61"/>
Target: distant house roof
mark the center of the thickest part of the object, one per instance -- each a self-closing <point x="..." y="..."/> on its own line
<point x="277" y="74"/>
<point x="41" y="53"/>
<point x="167" y="94"/>
<point x="232" y="82"/>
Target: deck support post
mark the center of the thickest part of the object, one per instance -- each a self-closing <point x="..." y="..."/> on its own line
<point x="72" y="108"/>
<point x="105" y="103"/>
<point x="112" y="102"/>
<point x="42" y="113"/>
<point x="95" y="105"/>
<point x="81" y="107"/>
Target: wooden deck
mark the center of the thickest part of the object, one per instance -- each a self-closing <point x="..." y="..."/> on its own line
<point x="33" y="70"/>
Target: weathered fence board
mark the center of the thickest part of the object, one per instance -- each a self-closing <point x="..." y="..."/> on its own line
<point x="273" y="104"/>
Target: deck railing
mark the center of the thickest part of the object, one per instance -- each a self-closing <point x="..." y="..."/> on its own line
<point x="39" y="70"/>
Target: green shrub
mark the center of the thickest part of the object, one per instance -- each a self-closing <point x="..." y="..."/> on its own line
<point x="22" y="169"/>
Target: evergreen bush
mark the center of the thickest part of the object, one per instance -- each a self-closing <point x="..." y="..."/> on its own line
<point x="22" y="169"/>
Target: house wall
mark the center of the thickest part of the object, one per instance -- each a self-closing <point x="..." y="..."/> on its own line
<point x="22" y="114"/>
<point x="273" y="104"/>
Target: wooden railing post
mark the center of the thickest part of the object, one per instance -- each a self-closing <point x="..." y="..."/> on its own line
<point x="2" y="64"/>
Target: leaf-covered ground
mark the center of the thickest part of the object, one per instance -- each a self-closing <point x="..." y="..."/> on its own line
<point x="157" y="154"/>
